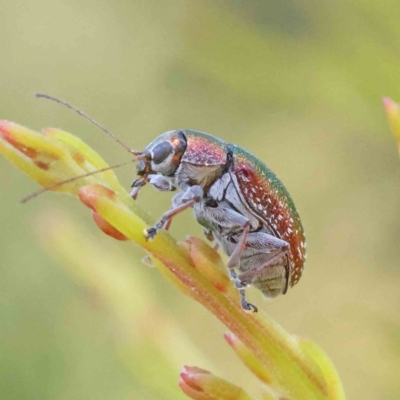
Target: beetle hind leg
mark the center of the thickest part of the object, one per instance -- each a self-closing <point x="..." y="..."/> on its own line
<point x="248" y="307"/>
<point x="272" y="277"/>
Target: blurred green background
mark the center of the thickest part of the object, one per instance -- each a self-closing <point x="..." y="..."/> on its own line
<point x="298" y="83"/>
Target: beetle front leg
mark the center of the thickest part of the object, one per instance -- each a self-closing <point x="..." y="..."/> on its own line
<point x="193" y="195"/>
<point x="158" y="181"/>
<point x="176" y="201"/>
<point x="161" y="183"/>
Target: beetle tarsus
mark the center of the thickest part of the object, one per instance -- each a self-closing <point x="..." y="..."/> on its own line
<point x="248" y="307"/>
<point x="150" y="233"/>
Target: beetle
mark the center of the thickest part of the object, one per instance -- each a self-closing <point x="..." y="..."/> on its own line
<point x="238" y="200"/>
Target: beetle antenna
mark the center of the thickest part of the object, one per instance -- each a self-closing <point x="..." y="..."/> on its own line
<point x="73" y="179"/>
<point x="84" y="115"/>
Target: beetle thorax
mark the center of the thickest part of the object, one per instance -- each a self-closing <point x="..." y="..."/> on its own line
<point x="204" y="160"/>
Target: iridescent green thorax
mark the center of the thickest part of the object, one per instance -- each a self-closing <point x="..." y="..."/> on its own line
<point x="269" y="199"/>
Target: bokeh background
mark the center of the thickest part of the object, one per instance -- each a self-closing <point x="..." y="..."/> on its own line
<point x="298" y="83"/>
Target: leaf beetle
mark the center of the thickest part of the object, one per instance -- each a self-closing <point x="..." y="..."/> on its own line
<point x="238" y="200"/>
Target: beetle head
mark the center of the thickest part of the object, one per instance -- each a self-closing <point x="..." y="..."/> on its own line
<point x="162" y="156"/>
<point x="164" y="153"/>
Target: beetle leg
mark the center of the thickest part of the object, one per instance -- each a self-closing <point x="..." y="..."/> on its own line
<point x="250" y="274"/>
<point x="265" y="263"/>
<point x="167" y="225"/>
<point x="158" y="181"/>
<point x="245" y="278"/>
<point x="236" y="281"/>
<point x="161" y="183"/>
<point x="234" y="259"/>
<point x="245" y="305"/>
<point x="228" y="218"/>
<point x="150" y="233"/>
<point x="176" y="201"/>
<point x="193" y="195"/>
<point x="238" y="284"/>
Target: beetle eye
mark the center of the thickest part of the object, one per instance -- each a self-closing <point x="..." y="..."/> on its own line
<point x="161" y="152"/>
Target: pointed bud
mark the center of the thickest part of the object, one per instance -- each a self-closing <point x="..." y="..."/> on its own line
<point x="208" y="262"/>
<point x="393" y="114"/>
<point x="249" y="359"/>
<point x="202" y="385"/>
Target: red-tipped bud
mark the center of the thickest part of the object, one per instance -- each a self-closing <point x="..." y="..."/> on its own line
<point x="202" y="385"/>
<point x="89" y="196"/>
<point x="9" y="131"/>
